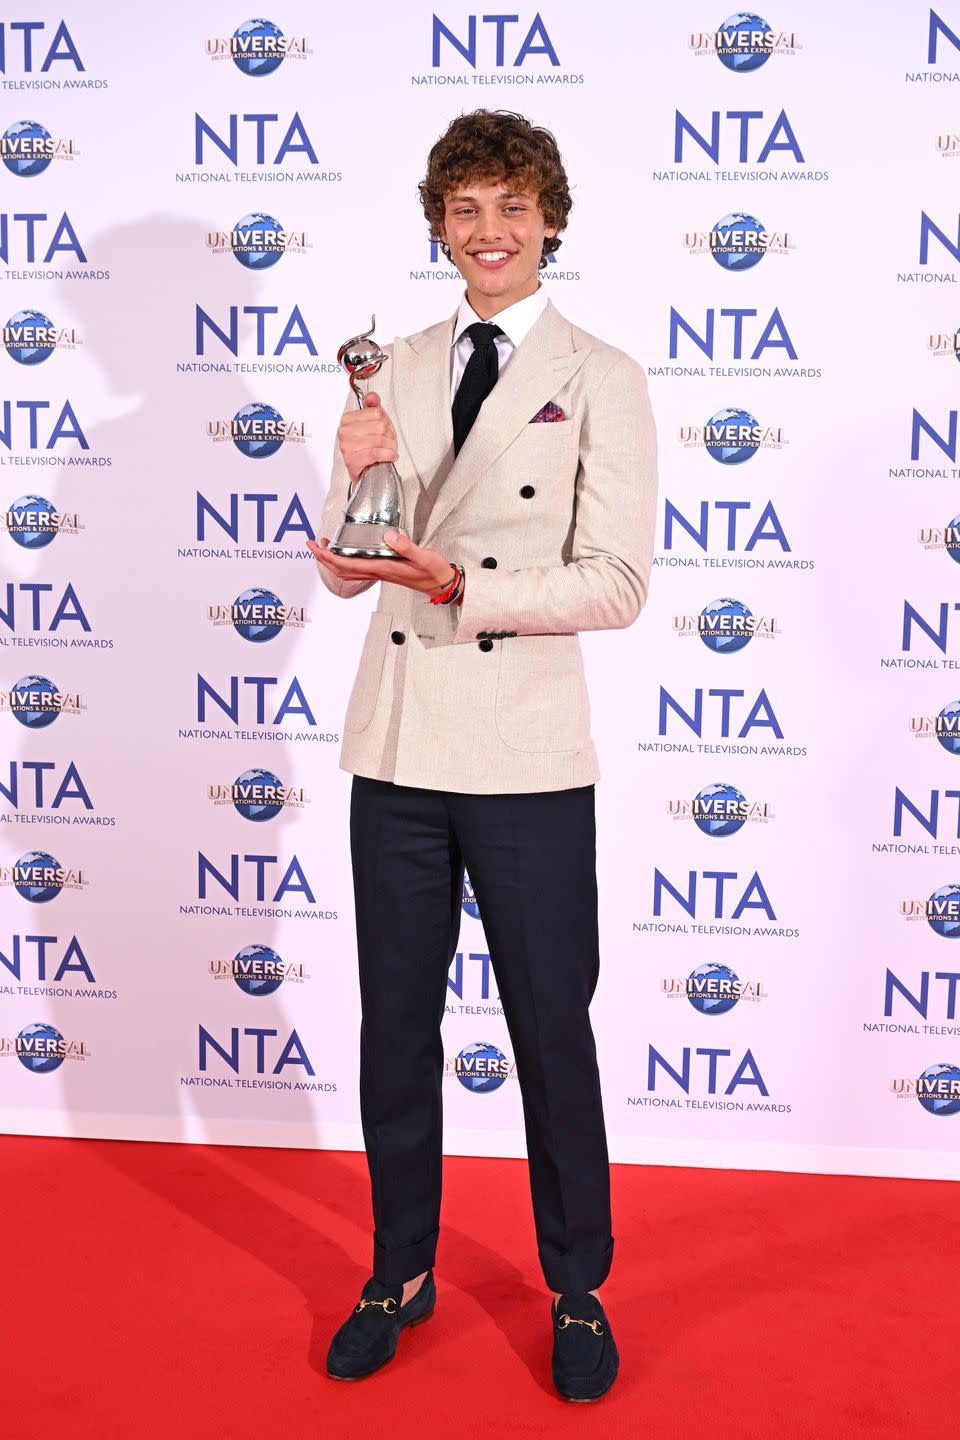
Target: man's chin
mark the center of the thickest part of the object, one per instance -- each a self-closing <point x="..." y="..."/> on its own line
<point x="491" y="282"/>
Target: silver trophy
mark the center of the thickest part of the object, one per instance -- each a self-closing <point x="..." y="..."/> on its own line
<point x="375" y="499"/>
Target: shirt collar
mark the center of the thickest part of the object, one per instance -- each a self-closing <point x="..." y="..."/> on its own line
<point x="516" y="321"/>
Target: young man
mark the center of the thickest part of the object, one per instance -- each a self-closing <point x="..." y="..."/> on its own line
<point x="528" y="456"/>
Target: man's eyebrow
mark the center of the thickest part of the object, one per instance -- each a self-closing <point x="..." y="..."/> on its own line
<point x="504" y="195"/>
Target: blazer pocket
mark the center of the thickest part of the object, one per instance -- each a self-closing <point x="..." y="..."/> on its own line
<point x="366" y="687"/>
<point x="542" y="704"/>
<point x="543" y="450"/>
<point x="547" y="435"/>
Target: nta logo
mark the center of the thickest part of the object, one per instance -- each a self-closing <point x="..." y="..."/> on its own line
<point x="535" y="40"/>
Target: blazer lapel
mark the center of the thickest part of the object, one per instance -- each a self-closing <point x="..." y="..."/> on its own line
<point x="544" y="362"/>
<point x="421" y="397"/>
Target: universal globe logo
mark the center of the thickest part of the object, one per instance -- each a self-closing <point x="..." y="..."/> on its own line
<point x="27" y="147"/>
<point x="258" y="615"/>
<point x="937" y="1088"/>
<point x="941" y="911"/>
<point x="257" y="241"/>
<point x="944" y="344"/>
<point x="30" y="337"/>
<point x="944" y="726"/>
<point x="712" y="988"/>
<point x="732" y="436"/>
<point x="942" y="537"/>
<point x="33" y="522"/>
<point x="719" y="810"/>
<point x="257" y="47"/>
<point x="726" y="626"/>
<point x="257" y="970"/>
<point x="258" y="795"/>
<point x="36" y="702"/>
<point x="468" y="899"/>
<point x="257" y="430"/>
<point x="737" y="242"/>
<point x="744" y="42"/>
<point x="39" y="877"/>
<point x="41" y="1048"/>
<point x="481" y="1068"/>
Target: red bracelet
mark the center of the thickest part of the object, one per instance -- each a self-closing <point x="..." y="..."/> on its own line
<point x="449" y="589"/>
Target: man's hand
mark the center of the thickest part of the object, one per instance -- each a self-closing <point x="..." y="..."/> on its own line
<point x="366" y="436"/>
<point x="417" y="569"/>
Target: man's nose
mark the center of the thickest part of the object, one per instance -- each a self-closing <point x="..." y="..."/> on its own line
<point x="489" y="228"/>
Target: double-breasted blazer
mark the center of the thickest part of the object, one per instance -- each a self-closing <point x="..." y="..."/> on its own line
<point x="553" y="524"/>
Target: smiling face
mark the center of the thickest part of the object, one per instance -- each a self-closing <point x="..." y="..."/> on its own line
<point x="495" y="234"/>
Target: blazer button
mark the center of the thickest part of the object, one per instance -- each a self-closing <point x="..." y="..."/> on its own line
<point x="527" y="492"/>
<point x="489" y="563"/>
<point x="398" y="637"/>
<point x="485" y="645"/>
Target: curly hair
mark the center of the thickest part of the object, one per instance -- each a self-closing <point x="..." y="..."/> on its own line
<point x="497" y="145"/>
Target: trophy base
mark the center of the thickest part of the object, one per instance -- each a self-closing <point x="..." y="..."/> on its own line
<point x="363" y="541"/>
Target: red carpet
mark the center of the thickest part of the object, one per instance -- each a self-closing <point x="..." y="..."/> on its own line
<point x="190" y="1291"/>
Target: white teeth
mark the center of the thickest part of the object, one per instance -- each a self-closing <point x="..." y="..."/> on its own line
<point x="492" y="254"/>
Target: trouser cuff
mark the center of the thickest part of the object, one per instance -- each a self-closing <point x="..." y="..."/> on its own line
<point x="567" y="1274"/>
<point x="395" y="1267"/>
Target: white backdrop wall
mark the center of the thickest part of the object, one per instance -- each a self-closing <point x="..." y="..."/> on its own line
<point x="824" y="1034"/>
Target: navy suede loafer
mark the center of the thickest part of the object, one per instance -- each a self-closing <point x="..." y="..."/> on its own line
<point x="368" y="1339"/>
<point x="585" y="1355"/>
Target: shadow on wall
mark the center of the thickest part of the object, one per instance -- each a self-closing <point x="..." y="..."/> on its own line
<point x="141" y="811"/>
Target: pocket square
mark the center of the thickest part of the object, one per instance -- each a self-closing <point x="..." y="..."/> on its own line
<point x="548" y="415"/>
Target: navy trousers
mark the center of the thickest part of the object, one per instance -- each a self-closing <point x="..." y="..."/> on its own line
<point x="532" y="862"/>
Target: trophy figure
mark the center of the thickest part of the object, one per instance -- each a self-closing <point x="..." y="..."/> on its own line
<point x="375" y="499"/>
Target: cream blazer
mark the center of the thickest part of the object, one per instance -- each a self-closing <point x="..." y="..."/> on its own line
<point x="553" y="524"/>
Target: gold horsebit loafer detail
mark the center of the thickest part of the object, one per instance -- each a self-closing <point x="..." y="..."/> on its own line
<point x="383" y="1304"/>
<point x="566" y="1320"/>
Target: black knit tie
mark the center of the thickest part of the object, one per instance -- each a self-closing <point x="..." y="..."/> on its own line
<point x="479" y="378"/>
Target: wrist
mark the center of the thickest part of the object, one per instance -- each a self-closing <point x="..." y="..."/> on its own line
<point x="451" y="592"/>
<point x="440" y="585"/>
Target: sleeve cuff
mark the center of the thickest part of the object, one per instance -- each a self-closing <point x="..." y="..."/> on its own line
<point x="481" y="611"/>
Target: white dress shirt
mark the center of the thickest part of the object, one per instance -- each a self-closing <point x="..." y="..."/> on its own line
<point x="515" y="322"/>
